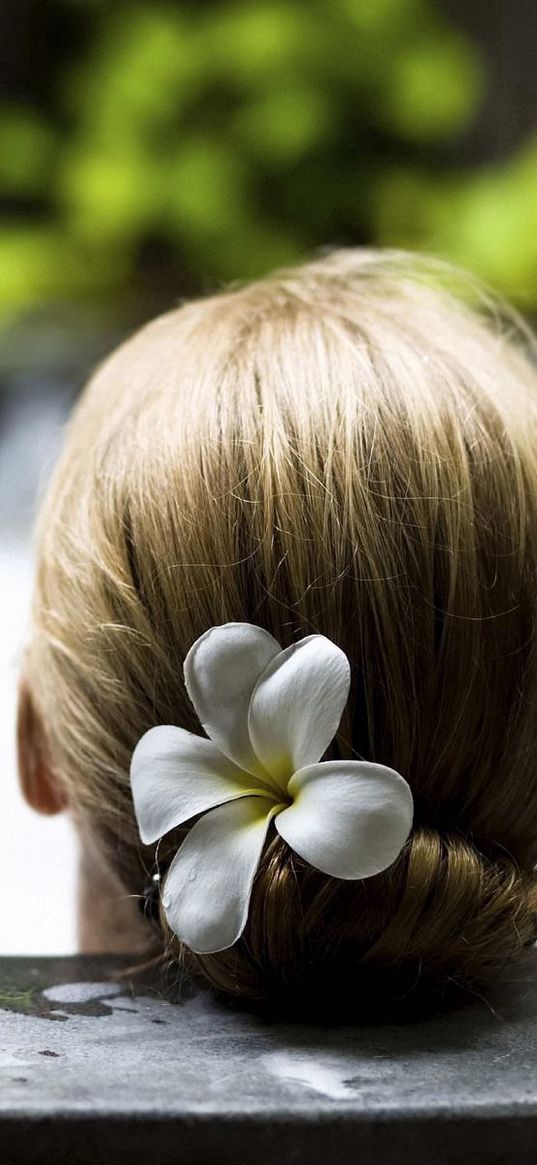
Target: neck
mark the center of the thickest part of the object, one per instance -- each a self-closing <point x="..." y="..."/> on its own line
<point x="109" y="921"/>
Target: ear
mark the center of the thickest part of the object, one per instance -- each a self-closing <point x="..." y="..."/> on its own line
<point x="39" y="785"/>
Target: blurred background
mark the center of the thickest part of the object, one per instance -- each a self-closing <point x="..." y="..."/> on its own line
<point x="150" y="151"/>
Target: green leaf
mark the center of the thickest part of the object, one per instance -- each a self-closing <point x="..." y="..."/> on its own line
<point x="433" y="89"/>
<point x="26" y="145"/>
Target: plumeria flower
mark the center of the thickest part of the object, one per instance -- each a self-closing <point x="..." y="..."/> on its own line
<point x="269" y="716"/>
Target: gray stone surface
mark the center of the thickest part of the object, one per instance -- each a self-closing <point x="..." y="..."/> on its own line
<point x="93" y="1070"/>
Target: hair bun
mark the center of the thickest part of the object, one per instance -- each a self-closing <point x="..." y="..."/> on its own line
<point x="439" y="924"/>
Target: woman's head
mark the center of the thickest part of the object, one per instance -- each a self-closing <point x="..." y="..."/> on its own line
<point x="347" y="448"/>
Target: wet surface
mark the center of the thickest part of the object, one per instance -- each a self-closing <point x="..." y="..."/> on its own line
<point x="82" y="1040"/>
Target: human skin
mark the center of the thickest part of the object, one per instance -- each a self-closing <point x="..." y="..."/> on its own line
<point x="109" y="920"/>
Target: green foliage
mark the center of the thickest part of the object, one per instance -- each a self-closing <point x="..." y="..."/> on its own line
<point x="241" y="134"/>
<point x="486" y="220"/>
<point x="26" y="146"/>
<point x="433" y="89"/>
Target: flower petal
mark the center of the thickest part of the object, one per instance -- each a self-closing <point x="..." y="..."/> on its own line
<point x="221" y="671"/>
<point x="207" y="890"/>
<point x="175" y="775"/>
<point x="349" y="819"/>
<point x="297" y="705"/>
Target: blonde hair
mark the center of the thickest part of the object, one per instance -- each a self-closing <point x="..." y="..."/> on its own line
<point x="349" y="448"/>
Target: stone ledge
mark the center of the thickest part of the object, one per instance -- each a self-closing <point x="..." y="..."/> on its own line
<point x="94" y="1069"/>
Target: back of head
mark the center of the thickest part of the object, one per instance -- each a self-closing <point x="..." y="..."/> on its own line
<point x="347" y="448"/>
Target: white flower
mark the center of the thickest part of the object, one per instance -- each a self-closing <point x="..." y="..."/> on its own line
<point x="269" y="715"/>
